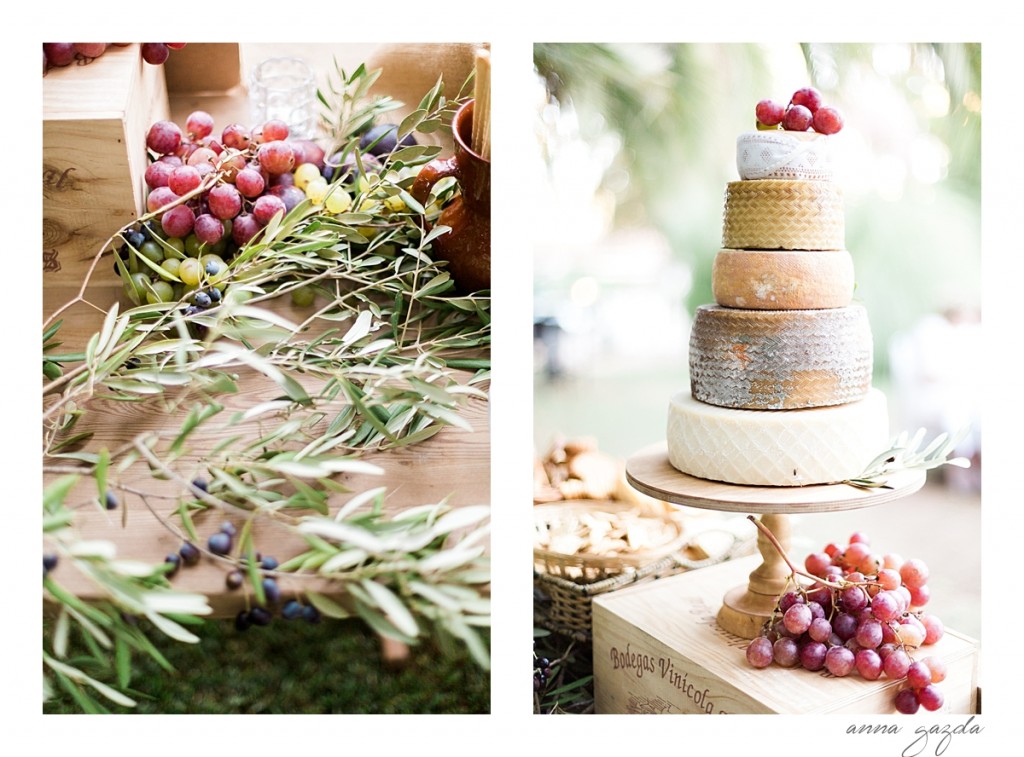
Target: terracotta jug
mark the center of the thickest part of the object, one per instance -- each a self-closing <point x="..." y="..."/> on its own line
<point x="467" y="247"/>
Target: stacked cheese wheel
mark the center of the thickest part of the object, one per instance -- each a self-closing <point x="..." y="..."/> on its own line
<point x="780" y="366"/>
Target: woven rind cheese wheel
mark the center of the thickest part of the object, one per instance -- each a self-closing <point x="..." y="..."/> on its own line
<point x="780" y="359"/>
<point x="763" y="448"/>
<point x="783" y="279"/>
<point x="774" y="214"/>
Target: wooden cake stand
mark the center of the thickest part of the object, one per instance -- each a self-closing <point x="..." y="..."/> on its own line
<point x="745" y="608"/>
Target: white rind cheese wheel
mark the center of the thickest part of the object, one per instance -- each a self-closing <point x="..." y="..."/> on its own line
<point x="783" y="279"/>
<point x="780" y="154"/>
<point x="774" y="214"/>
<point x="764" y="448"/>
<point x="780" y="359"/>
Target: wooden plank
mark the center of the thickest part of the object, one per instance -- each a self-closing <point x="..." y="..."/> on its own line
<point x="658" y="649"/>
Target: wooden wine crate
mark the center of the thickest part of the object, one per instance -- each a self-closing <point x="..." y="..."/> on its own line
<point x="658" y="649"/>
<point x="95" y="118"/>
<point x="204" y="68"/>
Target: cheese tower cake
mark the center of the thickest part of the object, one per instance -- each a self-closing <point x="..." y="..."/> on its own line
<point x="781" y="364"/>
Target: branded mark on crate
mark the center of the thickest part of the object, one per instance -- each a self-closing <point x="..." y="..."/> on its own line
<point x="57" y="180"/>
<point x="638" y="664"/>
<point x="641" y="705"/>
<point x="50" y="262"/>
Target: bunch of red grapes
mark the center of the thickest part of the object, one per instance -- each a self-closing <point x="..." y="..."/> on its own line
<point x="211" y="194"/>
<point x="804" y="111"/>
<point x="60" y="54"/>
<point x="863" y="615"/>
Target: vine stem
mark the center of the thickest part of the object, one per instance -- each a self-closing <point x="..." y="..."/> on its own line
<point x="782" y="553"/>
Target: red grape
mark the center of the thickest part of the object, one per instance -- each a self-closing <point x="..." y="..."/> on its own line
<point x="202" y="155"/>
<point x="812" y="655"/>
<point x="889" y="579"/>
<point x="844" y="625"/>
<point x="807" y="97"/>
<point x="311" y="152"/>
<point x="59" y="53"/>
<point x="930" y="697"/>
<point x="914" y="573"/>
<point x="797" y="619"/>
<point x="817" y="563"/>
<point x="820" y="630"/>
<point x="769" y="112"/>
<point x="154" y="52"/>
<point x="786" y="652"/>
<point x="209" y="229"/>
<point x="160" y="197"/>
<point x="918" y="675"/>
<point x="759" y="652"/>
<point x="249" y="182"/>
<point x="184" y="179"/>
<point x="163" y="137"/>
<point x="869" y="664"/>
<point x="839" y="661"/>
<point x="920" y="595"/>
<point x="235" y="136"/>
<point x="869" y="634"/>
<point x="199" y="124"/>
<point x="827" y="120"/>
<point x="885" y="606"/>
<point x="275" y="129"/>
<point x="178" y="221"/>
<point x="937" y="667"/>
<point x="854" y="598"/>
<point x="789" y="599"/>
<point x="266" y="207"/>
<point x="224" y="200"/>
<point x="276" y="156"/>
<point x="291" y="196"/>
<point x="896" y="664"/>
<point x="797" y="118"/>
<point x="175" y="45"/>
<point x="933" y="628"/>
<point x="244" y="228"/>
<point x="157" y="174"/>
<point x="906" y="702"/>
<point x="855" y="553"/>
<point x="90" y="49"/>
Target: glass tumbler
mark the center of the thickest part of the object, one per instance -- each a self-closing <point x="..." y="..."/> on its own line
<point x="284" y="89"/>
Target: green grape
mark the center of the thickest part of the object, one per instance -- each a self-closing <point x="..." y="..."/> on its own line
<point x="161" y="291"/>
<point x="189" y="271"/>
<point x="171" y="265"/>
<point x="152" y="252"/>
<point x="193" y="247"/>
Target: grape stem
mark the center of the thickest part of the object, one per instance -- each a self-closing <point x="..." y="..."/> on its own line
<point x="782" y="553"/>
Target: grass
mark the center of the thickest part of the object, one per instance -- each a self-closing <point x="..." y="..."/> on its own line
<point x="296" y="667"/>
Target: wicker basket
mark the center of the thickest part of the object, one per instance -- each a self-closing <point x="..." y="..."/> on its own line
<point x="565" y="584"/>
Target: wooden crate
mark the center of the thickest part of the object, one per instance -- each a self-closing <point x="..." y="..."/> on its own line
<point x="204" y="68"/>
<point x="95" y="119"/>
<point x="658" y="649"/>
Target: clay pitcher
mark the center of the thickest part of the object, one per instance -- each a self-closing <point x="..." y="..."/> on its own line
<point x="467" y="247"/>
